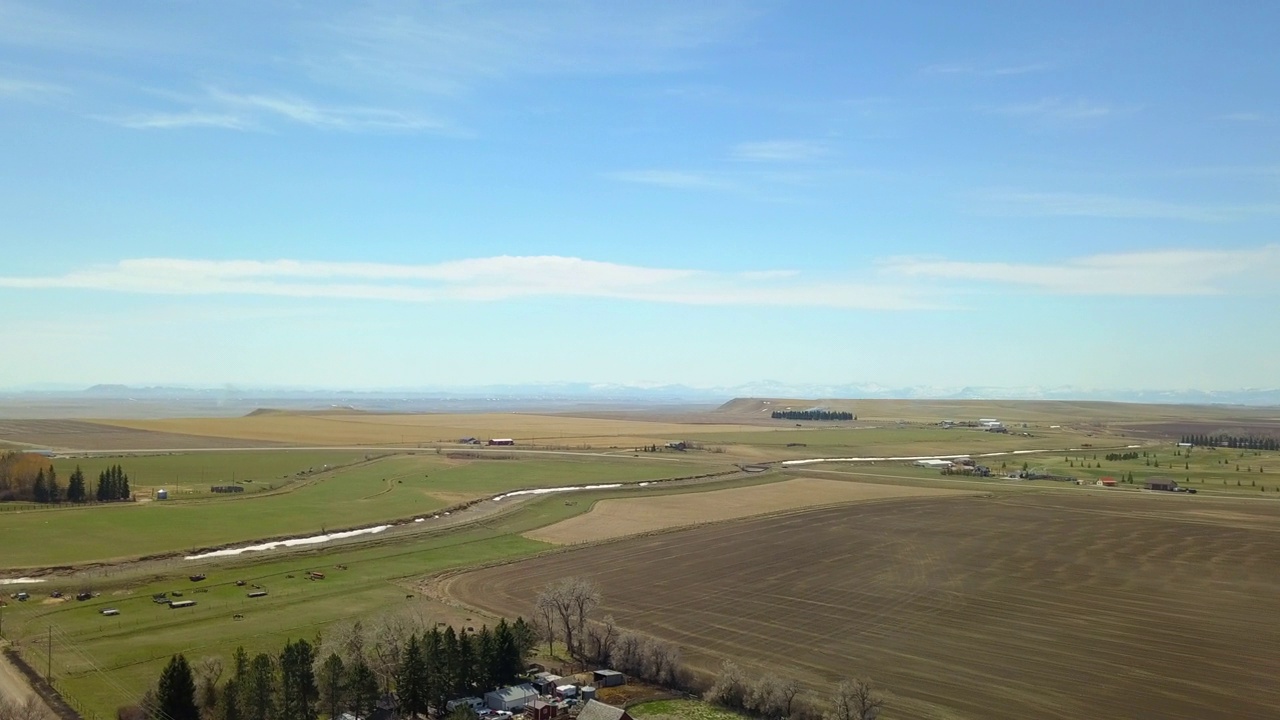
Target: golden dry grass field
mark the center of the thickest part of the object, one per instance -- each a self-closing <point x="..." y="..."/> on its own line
<point x="324" y="429"/>
<point x="610" y="519"/>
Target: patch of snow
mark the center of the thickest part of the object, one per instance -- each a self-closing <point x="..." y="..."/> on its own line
<point x="544" y="491"/>
<point x="21" y="581"/>
<point x="291" y="542"/>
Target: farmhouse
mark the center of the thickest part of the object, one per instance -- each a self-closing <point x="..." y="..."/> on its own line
<point x="596" y="710"/>
<point x="515" y="697"/>
<point x="1162" y="483"/>
<point x="1107" y="481"/>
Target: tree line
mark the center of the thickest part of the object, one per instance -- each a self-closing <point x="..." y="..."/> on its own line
<point x="1114" y="457"/>
<point x="563" y="614"/>
<point x="28" y="477"/>
<point x="812" y="415"/>
<point x="351" y="671"/>
<point x="1243" y="442"/>
<point x="770" y="696"/>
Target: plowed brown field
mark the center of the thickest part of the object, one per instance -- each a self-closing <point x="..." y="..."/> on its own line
<point x="1059" y="605"/>
<point x="617" y="518"/>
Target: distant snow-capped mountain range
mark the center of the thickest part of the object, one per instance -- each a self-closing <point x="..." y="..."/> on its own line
<point x="636" y="393"/>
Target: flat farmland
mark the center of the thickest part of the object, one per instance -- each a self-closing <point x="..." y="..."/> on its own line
<point x="85" y="435"/>
<point x="614" y="518"/>
<point x="365" y="493"/>
<point x="328" y="429"/>
<point x="1045" y="605"/>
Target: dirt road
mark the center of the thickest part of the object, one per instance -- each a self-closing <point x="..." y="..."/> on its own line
<point x="13" y="686"/>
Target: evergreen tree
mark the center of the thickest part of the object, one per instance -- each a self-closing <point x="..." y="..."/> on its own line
<point x="362" y="689"/>
<point x="229" y="704"/>
<point x="55" y="492"/>
<point x="333" y="685"/>
<point x="465" y="681"/>
<point x="176" y="694"/>
<point x="509" y="660"/>
<point x="448" y="677"/>
<point x="436" y="688"/>
<point x="527" y="638"/>
<point x="75" y="486"/>
<point x="259" y="693"/>
<point x="486" y="650"/>
<point x="123" y="488"/>
<point x="411" y="679"/>
<point x="103" y="484"/>
<point x="298" y="692"/>
<point x="40" y="491"/>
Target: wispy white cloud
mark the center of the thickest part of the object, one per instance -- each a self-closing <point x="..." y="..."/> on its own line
<point x="675" y="179"/>
<point x="1243" y="117"/>
<point x="16" y="89"/>
<point x="479" y="279"/>
<point x="169" y="121"/>
<point x="965" y="68"/>
<point x="1058" y="204"/>
<point x="1151" y="273"/>
<point x="249" y="111"/>
<point x="779" y="151"/>
<point x="449" y="47"/>
<point x="1057" y="109"/>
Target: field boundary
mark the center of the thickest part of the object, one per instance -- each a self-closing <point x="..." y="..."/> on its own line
<point x="436" y="585"/>
<point x="47" y="693"/>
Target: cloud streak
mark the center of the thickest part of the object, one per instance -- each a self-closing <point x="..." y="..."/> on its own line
<point x="779" y="151"/>
<point x="1150" y="273"/>
<point x="1057" y="109"/>
<point x="674" y="179"/>
<point x="246" y="111"/>
<point x="1054" y="204"/>
<point x="478" y="280"/>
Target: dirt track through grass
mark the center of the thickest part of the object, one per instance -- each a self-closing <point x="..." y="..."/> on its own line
<point x="632" y="516"/>
<point x="1045" y="606"/>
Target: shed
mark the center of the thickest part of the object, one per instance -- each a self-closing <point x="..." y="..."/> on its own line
<point x="162" y="494"/>
<point x="596" y="710"/>
<point x="514" y="697"/>
<point x="608" y="678"/>
<point x="541" y="710"/>
<point x="565" y="692"/>
<point x="502" y="441"/>
<point x="545" y="682"/>
<point x="1162" y="483"/>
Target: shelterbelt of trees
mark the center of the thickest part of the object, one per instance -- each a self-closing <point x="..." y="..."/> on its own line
<point x="28" y="477"/>
<point x="1234" y="441"/>
<point x="812" y="415"/>
<point x="350" y="671"/>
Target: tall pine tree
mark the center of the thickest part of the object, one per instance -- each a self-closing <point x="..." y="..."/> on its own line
<point x="176" y="694"/>
<point x="75" y="486"/>
<point x="298" y="692"/>
<point x="40" y="490"/>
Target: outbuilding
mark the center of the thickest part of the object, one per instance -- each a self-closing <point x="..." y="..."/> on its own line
<point x="608" y="678"/>
<point x="514" y="697"/>
<point x="502" y="441"/>
<point x="596" y="710"/>
<point x="1162" y="483"/>
<point x="1107" y="481"/>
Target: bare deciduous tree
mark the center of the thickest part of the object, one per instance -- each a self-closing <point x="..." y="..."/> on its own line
<point x="569" y="604"/>
<point x="208" y="671"/>
<point x="855" y="700"/>
<point x="730" y="687"/>
<point x="29" y="709"/>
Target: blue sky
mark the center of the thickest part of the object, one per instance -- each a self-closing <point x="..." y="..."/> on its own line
<point x="401" y="194"/>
